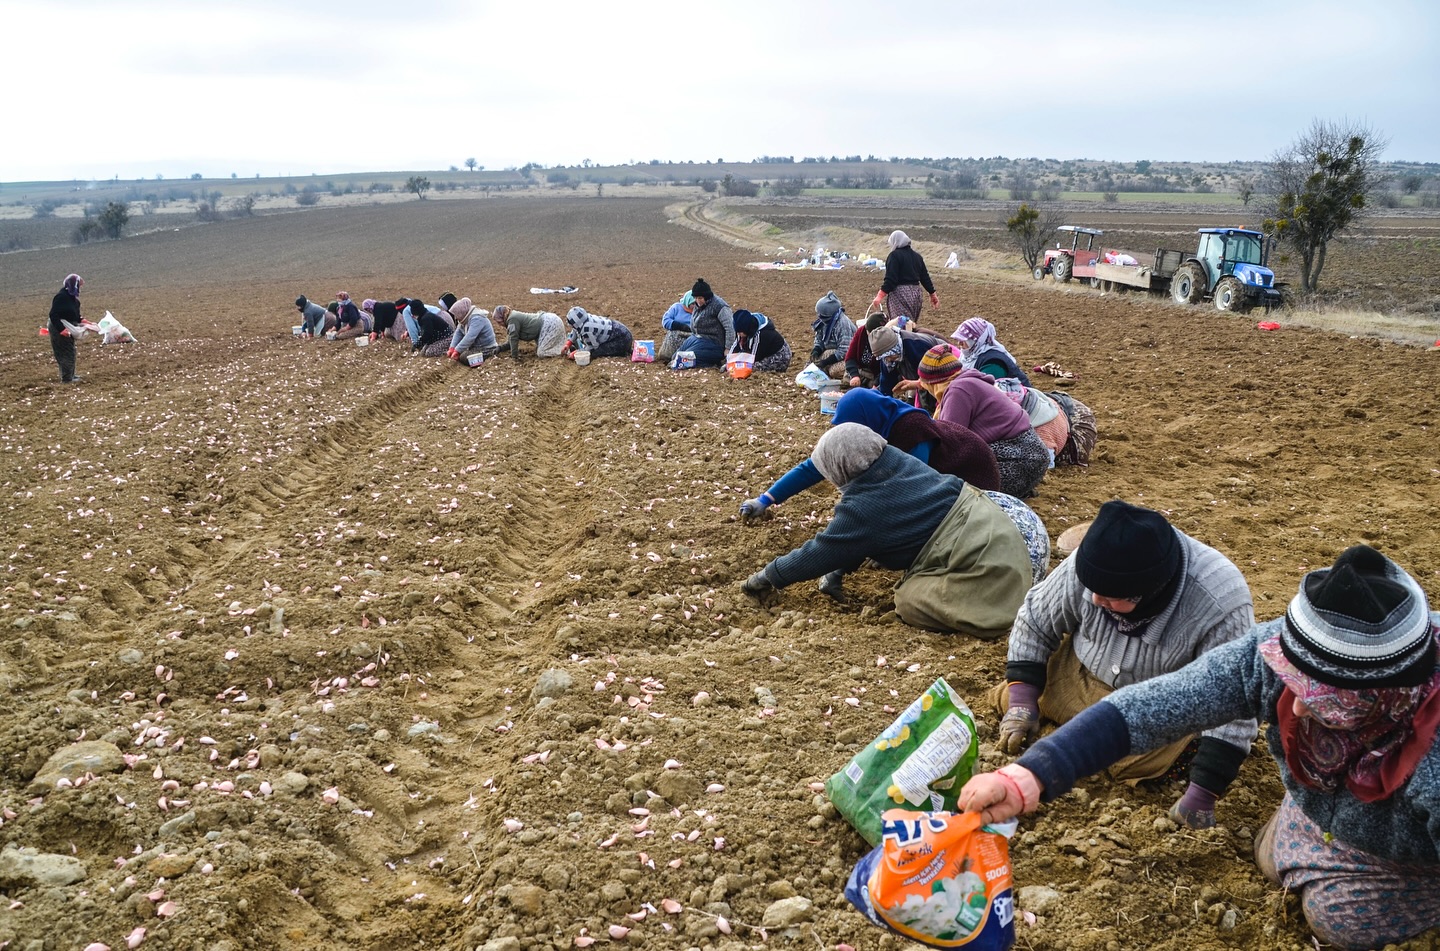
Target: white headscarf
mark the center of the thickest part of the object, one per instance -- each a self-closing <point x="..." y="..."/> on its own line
<point x="845" y="451"/>
<point x="899" y="239"/>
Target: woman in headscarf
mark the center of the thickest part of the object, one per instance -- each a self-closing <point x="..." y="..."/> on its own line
<point x="898" y="354"/>
<point x="979" y="350"/>
<point x="473" y="332"/>
<point x="945" y="447"/>
<point x="384" y="318"/>
<point x="64" y="315"/>
<point x="834" y="330"/>
<point x="676" y="324"/>
<point x="545" y="329"/>
<point x="905" y="276"/>
<point x="601" y="336"/>
<point x="966" y="566"/>
<point x="1050" y="422"/>
<point x="757" y="336"/>
<point x="350" y="320"/>
<point x="1348" y="685"/>
<point x="969" y="398"/>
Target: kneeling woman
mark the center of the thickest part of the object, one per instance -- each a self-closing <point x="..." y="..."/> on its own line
<point x="473" y="331"/>
<point x="542" y="328"/>
<point x="757" y="336"/>
<point x="967" y="567"/>
<point x="601" y="336"/>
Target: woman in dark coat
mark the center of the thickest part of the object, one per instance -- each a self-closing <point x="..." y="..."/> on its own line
<point x="905" y="275"/>
<point x="757" y="336"/>
<point x="967" y="566"/>
<point x="65" y="309"/>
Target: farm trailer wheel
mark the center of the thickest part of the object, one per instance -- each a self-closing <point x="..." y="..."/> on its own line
<point x="1188" y="285"/>
<point x="1095" y="283"/>
<point x="1060" y="267"/>
<point x="1230" y="296"/>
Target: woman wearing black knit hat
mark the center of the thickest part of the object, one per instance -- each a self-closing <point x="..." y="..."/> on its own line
<point x="1348" y="686"/>
<point x="712" y="330"/>
<point x="1136" y="600"/>
<point x="756" y="335"/>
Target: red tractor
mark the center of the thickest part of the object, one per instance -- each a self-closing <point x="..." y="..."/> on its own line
<point x="1074" y="261"/>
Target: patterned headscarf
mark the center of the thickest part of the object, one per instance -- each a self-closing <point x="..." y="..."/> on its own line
<point x="72" y="284"/>
<point x="368" y="305"/>
<point x="590" y="330"/>
<point x="978" y="334"/>
<point x="1369" y="740"/>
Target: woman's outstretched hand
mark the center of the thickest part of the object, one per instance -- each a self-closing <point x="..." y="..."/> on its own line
<point x="1004" y="794"/>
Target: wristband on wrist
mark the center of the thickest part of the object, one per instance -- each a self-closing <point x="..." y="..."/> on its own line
<point x="1014" y="786"/>
<point x="767" y="498"/>
<point x="1022" y="777"/>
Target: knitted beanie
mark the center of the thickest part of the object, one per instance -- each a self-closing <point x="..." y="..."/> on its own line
<point x="828" y="306"/>
<point x="701" y="289"/>
<point x="939" y="364"/>
<point x="746" y="323"/>
<point x="1128" y="552"/>
<point x="301" y="301"/>
<point x="333" y="307"/>
<point x="883" y="339"/>
<point x="1363" y="623"/>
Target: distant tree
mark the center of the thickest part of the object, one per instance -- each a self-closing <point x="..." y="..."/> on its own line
<point x="1319" y="186"/>
<point x="417" y="184"/>
<point x="87" y="230"/>
<point x="196" y="176"/>
<point x="1142" y="167"/>
<point x="1030" y="227"/>
<point x="739" y="187"/>
<point x="233" y="175"/>
<point x="708" y="185"/>
<point x="470" y="164"/>
<point x="793" y="185"/>
<point x="1020" y="186"/>
<point x="1411" y="183"/>
<point x="1246" y="191"/>
<point x="207" y="212"/>
<point x="454" y="168"/>
<point x="309" y="195"/>
<point x="244" y="206"/>
<point x="112" y="220"/>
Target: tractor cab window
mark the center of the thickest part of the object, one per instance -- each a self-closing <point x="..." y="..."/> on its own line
<point x="1243" y="249"/>
<point x="1211" y="251"/>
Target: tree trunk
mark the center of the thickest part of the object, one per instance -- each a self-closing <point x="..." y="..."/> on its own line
<point x="1307" y="256"/>
<point x="1319" y="266"/>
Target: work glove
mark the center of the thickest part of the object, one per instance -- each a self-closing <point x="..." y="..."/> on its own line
<point x="757" y="585"/>
<point x="752" y="508"/>
<point x="833" y="585"/>
<point x="879" y="299"/>
<point x="453" y="354"/>
<point x="1196" y="808"/>
<point x="1021" y="722"/>
<point x="934" y="301"/>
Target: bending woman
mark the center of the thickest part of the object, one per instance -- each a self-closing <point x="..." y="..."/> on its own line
<point x="966" y="565"/>
<point x="601" y="336"/>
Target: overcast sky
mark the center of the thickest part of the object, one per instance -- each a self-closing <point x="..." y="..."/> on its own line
<point x="136" y="88"/>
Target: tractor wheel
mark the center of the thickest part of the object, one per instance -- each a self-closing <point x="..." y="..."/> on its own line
<point x="1038" y="273"/>
<point x="1188" y="285"/>
<point x="1060" y="267"/>
<point x="1095" y="283"/>
<point x="1230" y="296"/>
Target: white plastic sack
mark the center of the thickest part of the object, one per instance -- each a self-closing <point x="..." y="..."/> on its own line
<point x="112" y="331"/>
<point x="812" y="377"/>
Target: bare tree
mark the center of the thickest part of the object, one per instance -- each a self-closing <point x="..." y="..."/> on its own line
<point x="1318" y="186"/>
<point x="1031" y="226"/>
<point x="470" y="163"/>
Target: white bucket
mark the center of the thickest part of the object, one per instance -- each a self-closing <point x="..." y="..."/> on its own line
<point x="475" y="359"/>
<point x="582" y="358"/>
<point x="828" y="398"/>
<point x="330" y="334"/>
<point x="298" y="330"/>
<point x="362" y="341"/>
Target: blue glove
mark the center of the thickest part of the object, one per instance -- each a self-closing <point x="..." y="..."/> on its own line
<point x="751" y="508"/>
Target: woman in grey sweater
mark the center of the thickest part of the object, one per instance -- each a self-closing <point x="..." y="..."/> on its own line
<point x="1136" y="600"/>
<point x="1348" y="685"/>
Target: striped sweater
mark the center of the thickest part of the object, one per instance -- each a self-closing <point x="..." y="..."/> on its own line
<point x="1212" y="606"/>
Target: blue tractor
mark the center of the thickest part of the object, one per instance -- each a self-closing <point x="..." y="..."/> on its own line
<point x="1228" y="267"/>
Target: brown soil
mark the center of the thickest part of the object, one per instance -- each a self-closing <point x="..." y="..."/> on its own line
<point x="336" y="575"/>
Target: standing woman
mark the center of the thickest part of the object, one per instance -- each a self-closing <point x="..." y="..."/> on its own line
<point x="65" y="309"/>
<point x="905" y="275"/>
